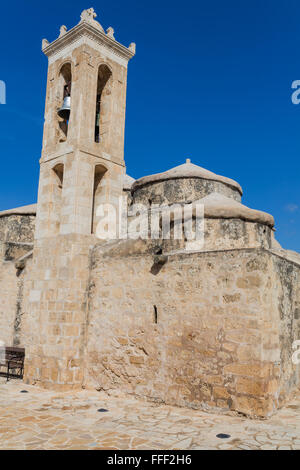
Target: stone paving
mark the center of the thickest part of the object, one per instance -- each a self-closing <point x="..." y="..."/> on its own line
<point x="91" y="420"/>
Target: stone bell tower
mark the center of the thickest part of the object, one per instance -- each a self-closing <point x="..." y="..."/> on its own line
<point x="83" y="155"/>
<point x="82" y="165"/>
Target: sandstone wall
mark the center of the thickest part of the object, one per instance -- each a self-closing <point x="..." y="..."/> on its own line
<point x="9" y="290"/>
<point x="16" y="235"/>
<point x="202" y="331"/>
<point x="54" y="312"/>
<point x="220" y="234"/>
<point x="11" y="300"/>
<point x="17" y="228"/>
<point x="16" y="239"/>
<point x="286" y="291"/>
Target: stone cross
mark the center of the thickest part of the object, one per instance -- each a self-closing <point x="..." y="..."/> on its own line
<point x="88" y="15"/>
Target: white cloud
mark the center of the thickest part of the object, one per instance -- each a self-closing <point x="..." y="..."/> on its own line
<point x="291" y="207"/>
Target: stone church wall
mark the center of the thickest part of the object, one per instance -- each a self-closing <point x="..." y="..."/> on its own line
<point x="286" y="291"/>
<point x="212" y="329"/>
<point x="9" y="290"/>
<point x="203" y="331"/>
<point x="16" y="239"/>
<point x="11" y="301"/>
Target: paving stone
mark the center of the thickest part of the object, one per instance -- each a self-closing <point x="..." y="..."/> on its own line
<point x="72" y="422"/>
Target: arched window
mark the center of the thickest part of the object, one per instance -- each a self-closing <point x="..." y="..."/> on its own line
<point x="99" y="193"/>
<point x="65" y="85"/>
<point x="103" y="103"/>
<point x="57" y="185"/>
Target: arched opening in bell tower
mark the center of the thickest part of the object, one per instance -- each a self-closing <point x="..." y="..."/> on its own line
<point x="99" y="193"/>
<point x="103" y="103"/>
<point x="65" y="85"/>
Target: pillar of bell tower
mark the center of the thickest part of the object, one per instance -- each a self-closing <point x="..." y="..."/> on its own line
<point x="82" y="165"/>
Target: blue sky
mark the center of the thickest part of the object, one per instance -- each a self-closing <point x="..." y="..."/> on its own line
<point x="211" y="81"/>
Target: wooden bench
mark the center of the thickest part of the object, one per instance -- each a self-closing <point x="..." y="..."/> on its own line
<point x="12" y="359"/>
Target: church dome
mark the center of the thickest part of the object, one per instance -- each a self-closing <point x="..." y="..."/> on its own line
<point x="187" y="170"/>
<point x="183" y="184"/>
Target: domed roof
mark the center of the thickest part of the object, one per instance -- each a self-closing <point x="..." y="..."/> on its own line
<point x="221" y="207"/>
<point x="187" y="170"/>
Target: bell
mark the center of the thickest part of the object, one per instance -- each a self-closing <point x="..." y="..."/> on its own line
<point x="64" y="111"/>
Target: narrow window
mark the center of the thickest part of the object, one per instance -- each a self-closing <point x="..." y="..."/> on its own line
<point x="155" y="315"/>
<point x="102" y="103"/>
